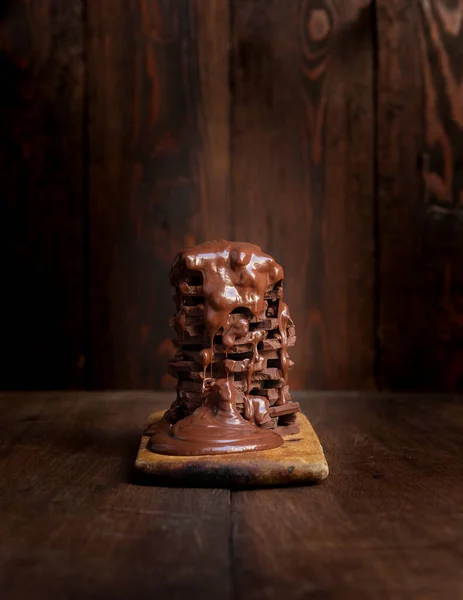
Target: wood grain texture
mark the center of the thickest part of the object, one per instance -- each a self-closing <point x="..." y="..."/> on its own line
<point x="158" y="180"/>
<point x="402" y="287"/>
<point x="41" y="182"/>
<point x="302" y="172"/>
<point x="83" y="529"/>
<point x="181" y="117"/>
<point x="387" y="523"/>
<point x="420" y="210"/>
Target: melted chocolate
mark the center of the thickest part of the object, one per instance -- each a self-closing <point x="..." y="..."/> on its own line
<point x="283" y="318"/>
<point x="207" y="358"/>
<point x="214" y="428"/>
<point x="234" y="276"/>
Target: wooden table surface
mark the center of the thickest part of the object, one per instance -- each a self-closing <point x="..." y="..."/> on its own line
<point x="387" y="523"/>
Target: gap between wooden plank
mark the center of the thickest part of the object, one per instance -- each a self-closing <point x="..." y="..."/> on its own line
<point x="73" y="521"/>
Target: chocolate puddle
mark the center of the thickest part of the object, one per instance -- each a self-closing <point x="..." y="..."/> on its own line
<point x="214" y="428"/>
<point x="235" y="277"/>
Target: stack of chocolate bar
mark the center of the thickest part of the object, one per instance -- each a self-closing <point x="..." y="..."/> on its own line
<point x="260" y="349"/>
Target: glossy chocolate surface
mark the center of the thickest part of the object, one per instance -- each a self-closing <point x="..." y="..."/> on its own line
<point x="214" y="428"/>
<point x="235" y="277"/>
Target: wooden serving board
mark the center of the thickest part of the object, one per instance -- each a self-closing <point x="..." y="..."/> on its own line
<point x="299" y="461"/>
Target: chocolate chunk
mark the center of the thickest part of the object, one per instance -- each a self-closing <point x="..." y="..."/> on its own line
<point x="190" y="290"/>
<point x="268" y="324"/>
<point x="274" y="294"/>
<point x="241" y="366"/>
<point x="194" y="311"/>
<point x="284" y="409"/>
<point x="268" y="373"/>
<point x="273" y="394"/>
<point x="185" y="365"/>
<point x="286" y="429"/>
<point x="275" y="343"/>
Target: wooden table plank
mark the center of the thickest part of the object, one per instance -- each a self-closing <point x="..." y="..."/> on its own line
<point x="386" y="523"/>
<point x="75" y="526"/>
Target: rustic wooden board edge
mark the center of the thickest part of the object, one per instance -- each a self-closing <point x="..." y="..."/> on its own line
<point x="299" y="461"/>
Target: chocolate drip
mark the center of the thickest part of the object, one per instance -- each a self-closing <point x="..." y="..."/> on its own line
<point x="234" y="275"/>
<point x="233" y="331"/>
<point x="255" y="364"/>
<point x="231" y="278"/>
<point x="284" y="319"/>
<point x="214" y="428"/>
<point x="207" y="357"/>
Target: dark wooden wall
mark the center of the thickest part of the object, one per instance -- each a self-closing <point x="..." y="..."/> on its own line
<point x="327" y="131"/>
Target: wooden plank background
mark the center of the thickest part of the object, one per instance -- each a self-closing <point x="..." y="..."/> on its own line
<point x="420" y="200"/>
<point x="42" y="187"/>
<point x="325" y="130"/>
<point x="302" y="170"/>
